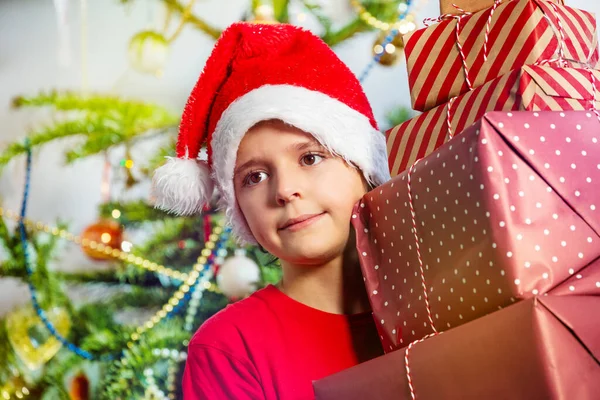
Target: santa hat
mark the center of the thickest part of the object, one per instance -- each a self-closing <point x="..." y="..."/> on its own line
<point x="260" y="72"/>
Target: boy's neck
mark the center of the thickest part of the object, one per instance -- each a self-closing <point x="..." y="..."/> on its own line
<point x="335" y="287"/>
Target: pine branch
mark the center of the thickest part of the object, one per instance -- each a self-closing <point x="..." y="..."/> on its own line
<point x="193" y="19"/>
<point x="142" y="297"/>
<point x="354" y="27"/>
<point x="158" y="158"/>
<point x="280" y="10"/>
<point x="8" y="359"/>
<point x="317" y="11"/>
<point x="105" y="121"/>
<point x="398" y="115"/>
<point x="134" y="213"/>
<point x="47" y="134"/>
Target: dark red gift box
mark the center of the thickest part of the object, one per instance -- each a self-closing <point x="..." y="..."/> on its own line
<point x="507" y="210"/>
<point x="546" y="347"/>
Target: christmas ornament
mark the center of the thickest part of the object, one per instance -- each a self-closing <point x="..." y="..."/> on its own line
<point x="115" y="253"/>
<point x="103" y="233"/>
<point x="148" y="52"/>
<point x="387" y="54"/>
<point x="31" y="340"/>
<point x="238" y="276"/>
<point x="80" y="387"/>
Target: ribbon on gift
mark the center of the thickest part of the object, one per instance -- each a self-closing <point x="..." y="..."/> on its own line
<point x="423" y="284"/>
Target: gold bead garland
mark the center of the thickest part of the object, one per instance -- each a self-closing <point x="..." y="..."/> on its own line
<point x="112" y="252"/>
<point x="18" y="394"/>
<point x="191" y="280"/>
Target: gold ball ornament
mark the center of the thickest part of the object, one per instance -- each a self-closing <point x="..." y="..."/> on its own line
<point x="148" y="52"/>
<point x="100" y="235"/>
<point x="31" y="340"/>
<point x="390" y="53"/>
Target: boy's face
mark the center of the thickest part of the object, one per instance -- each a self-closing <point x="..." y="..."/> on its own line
<point x="284" y="176"/>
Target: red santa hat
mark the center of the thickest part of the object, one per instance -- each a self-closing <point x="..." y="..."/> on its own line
<point x="260" y="72"/>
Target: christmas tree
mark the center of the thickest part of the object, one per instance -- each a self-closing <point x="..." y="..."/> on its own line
<point x="129" y="340"/>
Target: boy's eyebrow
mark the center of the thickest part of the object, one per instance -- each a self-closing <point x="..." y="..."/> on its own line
<point x="245" y="165"/>
<point x="298" y="146"/>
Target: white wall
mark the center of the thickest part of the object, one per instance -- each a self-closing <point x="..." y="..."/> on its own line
<point x="29" y="43"/>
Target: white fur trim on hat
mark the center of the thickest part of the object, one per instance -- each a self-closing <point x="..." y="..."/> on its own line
<point x="182" y="186"/>
<point x="338" y="127"/>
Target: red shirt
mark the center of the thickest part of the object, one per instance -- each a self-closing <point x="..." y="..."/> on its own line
<point x="270" y="346"/>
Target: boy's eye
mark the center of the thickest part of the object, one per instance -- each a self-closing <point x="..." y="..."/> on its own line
<point x="311" y="159"/>
<point x="254" y="178"/>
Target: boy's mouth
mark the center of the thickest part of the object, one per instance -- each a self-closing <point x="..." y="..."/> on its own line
<point x="299" y="222"/>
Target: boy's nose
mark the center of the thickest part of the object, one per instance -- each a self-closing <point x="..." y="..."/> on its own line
<point x="287" y="188"/>
<point x="286" y="195"/>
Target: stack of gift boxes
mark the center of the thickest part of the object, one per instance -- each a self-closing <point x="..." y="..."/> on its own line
<point x="481" y="257"/>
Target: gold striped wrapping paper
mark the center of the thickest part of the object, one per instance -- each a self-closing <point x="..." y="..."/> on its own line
<point x="531" y="88"/>
<point x="522" y="32"/>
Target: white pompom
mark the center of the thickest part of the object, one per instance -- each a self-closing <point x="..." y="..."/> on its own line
<point x="238" y="276"/>
<point x="182" y="186"/>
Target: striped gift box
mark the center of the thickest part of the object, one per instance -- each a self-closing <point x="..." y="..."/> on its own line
<point x="521" y="32"/>
<point x="531" y="88"/>
<point x="453" y="6"/>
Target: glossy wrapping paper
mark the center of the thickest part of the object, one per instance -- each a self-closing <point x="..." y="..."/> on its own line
<point x="545" y="348"/>
<point x="531" y="88"/>
<point x="507" y="210"/>
<point x="521" y="32"/>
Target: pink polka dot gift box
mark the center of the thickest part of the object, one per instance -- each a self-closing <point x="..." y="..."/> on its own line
<point x="546" y="347"/>
<point x="507" y="210"/>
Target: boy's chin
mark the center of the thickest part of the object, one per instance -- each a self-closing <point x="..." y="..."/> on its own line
<point x="311" y="252"/>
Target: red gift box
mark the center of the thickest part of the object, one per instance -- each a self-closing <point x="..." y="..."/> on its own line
<point x="518" y="33"/>
<point x="528" y="89"/>
<point x="542" y="348"/>
<point x="505" y="211"/>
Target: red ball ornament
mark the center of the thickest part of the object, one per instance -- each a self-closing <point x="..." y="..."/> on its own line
<point x="181" y="244"/>
<point x="103" y="233"/>
<point x="80" y="387"/>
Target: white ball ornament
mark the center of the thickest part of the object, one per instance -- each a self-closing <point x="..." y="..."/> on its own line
<point x="238" y="276"/>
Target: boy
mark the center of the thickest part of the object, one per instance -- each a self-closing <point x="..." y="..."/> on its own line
<point x="292" y="146"/>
